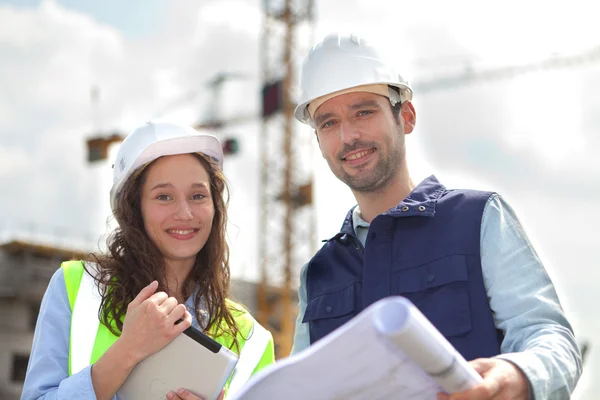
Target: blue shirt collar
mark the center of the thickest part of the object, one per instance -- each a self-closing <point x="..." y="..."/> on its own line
<point x="419" y="203"/>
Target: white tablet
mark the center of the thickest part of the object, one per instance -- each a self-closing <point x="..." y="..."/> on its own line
<point x="192" y="361"/>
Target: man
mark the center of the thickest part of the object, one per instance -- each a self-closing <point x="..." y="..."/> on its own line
<point x="460" y="255"/>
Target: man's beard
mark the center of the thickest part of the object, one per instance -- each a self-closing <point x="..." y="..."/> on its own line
<point x="383" y="172"/>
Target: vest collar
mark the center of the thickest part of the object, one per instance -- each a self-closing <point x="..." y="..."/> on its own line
<point x="420" y="202"/>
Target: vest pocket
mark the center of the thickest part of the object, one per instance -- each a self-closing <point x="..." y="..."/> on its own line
<point x="329" y="311"/>
<point x="440" y="289"/>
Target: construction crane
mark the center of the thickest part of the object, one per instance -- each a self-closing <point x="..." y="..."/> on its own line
<point x="287" y="226"/>
<point x="213" y="118"/>
<point x="471" y="76"/>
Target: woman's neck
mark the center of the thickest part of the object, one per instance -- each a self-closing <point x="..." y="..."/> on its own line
<point x="177" y="273"/>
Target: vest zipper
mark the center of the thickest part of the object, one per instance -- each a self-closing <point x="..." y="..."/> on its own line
<point x="358" y="246"/>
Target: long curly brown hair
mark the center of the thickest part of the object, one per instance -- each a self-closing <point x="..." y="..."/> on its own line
<point x="133" y="261"/>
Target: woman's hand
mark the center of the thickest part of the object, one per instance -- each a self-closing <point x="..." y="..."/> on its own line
<point x="150" y="322"/>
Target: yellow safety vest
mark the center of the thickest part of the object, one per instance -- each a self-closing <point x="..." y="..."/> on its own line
<point x="89" y="338"/>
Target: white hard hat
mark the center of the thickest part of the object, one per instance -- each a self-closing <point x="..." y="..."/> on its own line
<point x="342" y="62"/>
<point x="156" y="139"/>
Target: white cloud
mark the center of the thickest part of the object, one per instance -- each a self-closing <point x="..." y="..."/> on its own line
<point x="49" y="69"/>
<point x="546" y="117"/>
<point x="14" y="162"/>
<point x="234" y="15"/>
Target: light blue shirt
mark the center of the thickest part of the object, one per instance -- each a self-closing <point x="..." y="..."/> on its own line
<point x="537" y="336"/>
<point x="47" y="372"/>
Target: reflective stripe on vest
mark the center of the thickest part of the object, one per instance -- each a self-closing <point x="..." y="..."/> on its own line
<point x="84" y="321"/>
<point x="250" y="356"/>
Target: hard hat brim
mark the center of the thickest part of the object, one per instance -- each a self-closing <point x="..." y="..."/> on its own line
<point x="203" y="144"/>
<point x="302" y="114"/>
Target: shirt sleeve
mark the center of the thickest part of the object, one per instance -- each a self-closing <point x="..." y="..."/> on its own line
<point x="301" y="335"/>
<point x="47" y="374"/>
<point x="537" y="335"/>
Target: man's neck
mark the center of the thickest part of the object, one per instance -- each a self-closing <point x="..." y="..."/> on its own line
<point x="374" y="203"/>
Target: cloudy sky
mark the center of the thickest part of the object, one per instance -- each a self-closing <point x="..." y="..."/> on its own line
<point x="533" y="137"/>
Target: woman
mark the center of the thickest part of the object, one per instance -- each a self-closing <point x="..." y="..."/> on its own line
<point x="167" y="263"/>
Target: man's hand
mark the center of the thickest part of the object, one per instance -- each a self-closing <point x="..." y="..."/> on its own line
<point x="183" y="394"/>
<point x="501" y="380"/>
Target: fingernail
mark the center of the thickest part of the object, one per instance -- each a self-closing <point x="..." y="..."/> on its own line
<point x="169" y="395"/>
<point x="180" y="391"/>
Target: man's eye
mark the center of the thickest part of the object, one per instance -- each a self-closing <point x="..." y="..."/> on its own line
<point x="327" y="124"/>
<point x="364" y="112"/>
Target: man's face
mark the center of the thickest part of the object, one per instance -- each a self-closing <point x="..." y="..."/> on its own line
<point x="360" y="139"/>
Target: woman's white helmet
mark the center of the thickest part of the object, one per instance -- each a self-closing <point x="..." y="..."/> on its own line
<point x="346" y="63"/>
<point x="156" y="139"/>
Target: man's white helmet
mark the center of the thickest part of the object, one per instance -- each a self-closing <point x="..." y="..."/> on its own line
<point x="156" y="139"/>
<point x="345" y="63"/>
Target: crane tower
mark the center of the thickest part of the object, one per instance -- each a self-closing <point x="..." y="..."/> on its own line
<point x="286" y="229"/>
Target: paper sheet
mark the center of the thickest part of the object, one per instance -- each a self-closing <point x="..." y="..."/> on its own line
<point x="369" y="358"/>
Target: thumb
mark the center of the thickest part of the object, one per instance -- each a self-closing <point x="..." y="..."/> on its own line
<point x="481" y="365"/>
<point x="144" y="294"/>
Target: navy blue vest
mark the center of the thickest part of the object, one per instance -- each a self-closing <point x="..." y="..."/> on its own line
<point x="425" y="249"/>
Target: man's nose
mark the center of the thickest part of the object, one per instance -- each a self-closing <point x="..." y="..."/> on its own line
<point x="348" y="132"/>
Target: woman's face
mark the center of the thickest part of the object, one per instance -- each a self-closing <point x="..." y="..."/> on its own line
<point x="177" y="207"/>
